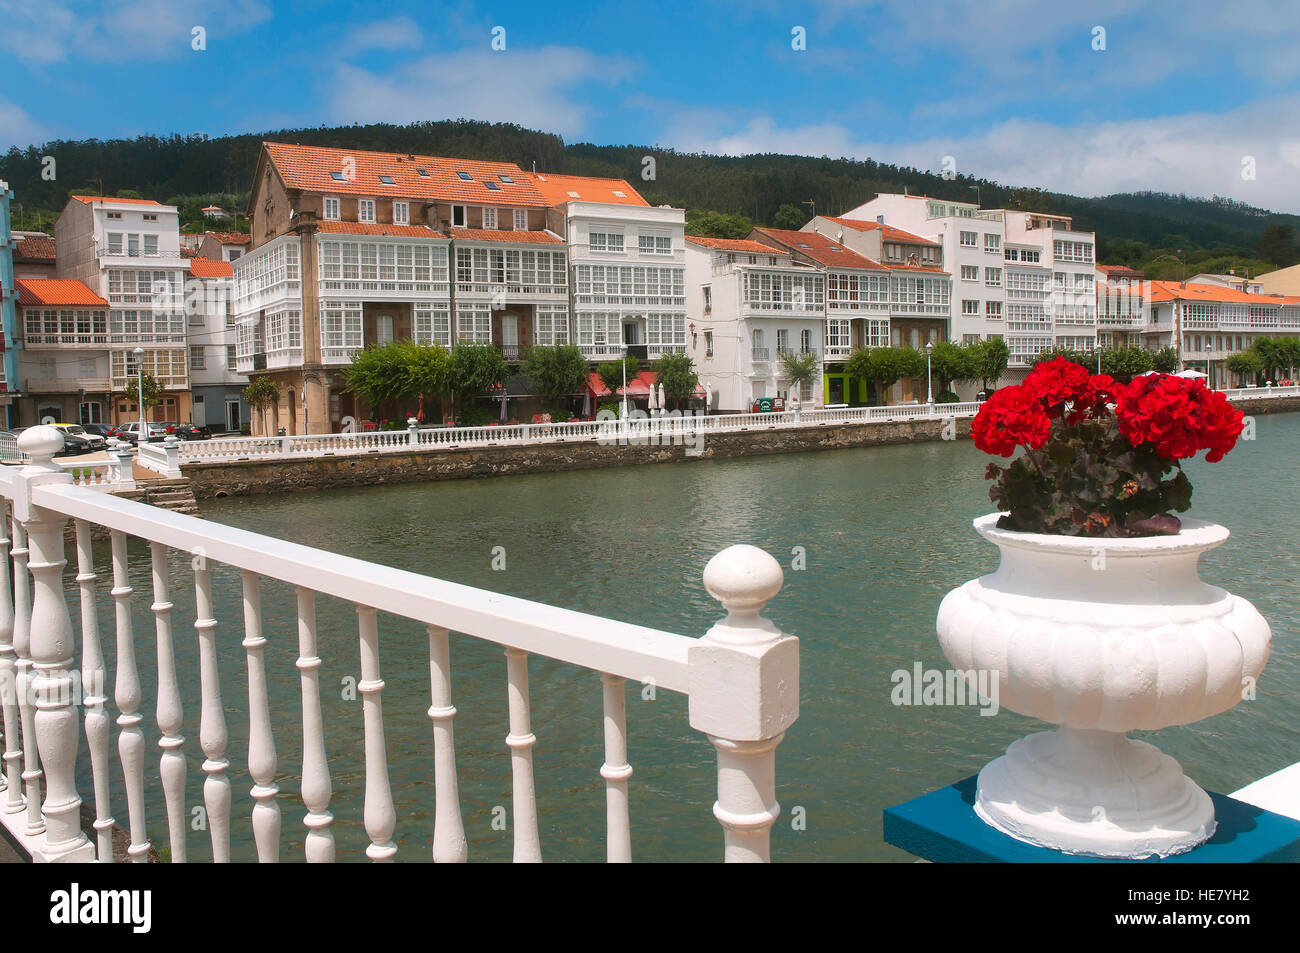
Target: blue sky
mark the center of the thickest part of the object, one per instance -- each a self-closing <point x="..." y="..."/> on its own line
<point x="1185" y="96"/>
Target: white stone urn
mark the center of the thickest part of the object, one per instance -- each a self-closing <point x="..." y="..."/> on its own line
<point x="1102" y="637"/>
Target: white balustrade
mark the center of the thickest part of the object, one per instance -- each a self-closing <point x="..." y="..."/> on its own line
<point x="13" y="752"/>
<point x="93" y="689"/>
<point x="741" y="680"/>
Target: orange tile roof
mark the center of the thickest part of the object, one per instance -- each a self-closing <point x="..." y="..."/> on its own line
<point x="502" y="235"/>
<point x="231" y="238"/>
<point x="36" y="249"/>
<point x="309" y="168"/>
<point x="890" y="232"/>
<point x="188" y="252"/>
<point x="819" y="248"/>
<point x="371" y="228"/>
<point x="734" y="244"/>
<point x="1119" y="271"/>
<point x="1174" y="290"/>
<point x="56" y="291"/>
<point x="207" y="268"/>
<point x="556" y="189"/>
<point x="112" y="200"/>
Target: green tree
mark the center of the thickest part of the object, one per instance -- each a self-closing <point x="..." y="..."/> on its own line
<point x="717" y="224"/>
<point x="1245" y="364"/>
<point x="556" y="371"/>
<point x="1125" y="363"/>
<point x="378" y="373"/>
<point x="789" y="217"/>
<point x="611" y="373"/>
<point x="260" y="394"/>
<point x="885" y="366"/>
<point x="800" y="369"/>
<point x="1165" y="360"/>
<point x="428" y="370"/>
<point x="676" y="372"/>
<point x="1086" y="358"/>
<point x="1277" y="245"/>
<point x="994" y="355"/>
<point x="152" y="390"/>
<point x="474" y="369"/>
<point x="954" y="363"/>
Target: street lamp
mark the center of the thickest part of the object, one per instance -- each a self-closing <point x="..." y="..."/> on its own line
<point x="139" y="394"/>
<point x="929" y="389"/>
<point x="1209" y="360"/>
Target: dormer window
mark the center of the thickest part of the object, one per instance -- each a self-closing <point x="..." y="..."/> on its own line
<point x="330" y="208"/>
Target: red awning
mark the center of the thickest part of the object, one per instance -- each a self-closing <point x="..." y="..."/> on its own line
<point x="638" y="386"/>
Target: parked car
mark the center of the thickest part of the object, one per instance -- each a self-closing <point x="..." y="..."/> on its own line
<point x="102" y="430"/>
<point x="131" y="433"/>
<point x="189" y="431"/>
<point x="76" y="439"/>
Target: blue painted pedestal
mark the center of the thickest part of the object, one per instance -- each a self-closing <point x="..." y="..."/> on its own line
<point x="942" y="826"/>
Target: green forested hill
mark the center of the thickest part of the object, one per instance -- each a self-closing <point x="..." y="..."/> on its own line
<point x="1166" y="233"/>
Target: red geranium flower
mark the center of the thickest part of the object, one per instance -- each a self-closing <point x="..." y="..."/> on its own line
<point x="1178" y="416"/>
<point x="1011" y="417"/>
<point x="1056" y="383"/>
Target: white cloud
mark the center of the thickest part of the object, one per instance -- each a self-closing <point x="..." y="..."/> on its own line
<point x="1196" y="153"/>
<point x="395" y="33"/>
<point x="535" y="88"/>
<point x="19" y="129"/>
<point x="52" y="32"/>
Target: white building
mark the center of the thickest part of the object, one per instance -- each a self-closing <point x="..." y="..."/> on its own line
<point x="750" y="303"/>
<point x="125" y="251"/>
<point x="627" y="263"/>
<point x="215" y="383"/>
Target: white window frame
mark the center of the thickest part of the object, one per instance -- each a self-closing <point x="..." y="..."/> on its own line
<point x="521" y="220"/>
<point x="490" y="217"/>
<point x="330" y="207"/>
<point x="366" y="211"/>
<point x="464" y="216"/>
<point x="401" y="213"/>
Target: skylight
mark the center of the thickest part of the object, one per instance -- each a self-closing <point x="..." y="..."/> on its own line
<point x="573" y="195"/>
<point x="465" y="175"/>
<point x="423" y="172"/>
<point x="493" y="186"/>
<point x="621" y="195"/>
<point x="506" y="178"/>
<point x="338" y="177"/>
<point x="387" y="180"/>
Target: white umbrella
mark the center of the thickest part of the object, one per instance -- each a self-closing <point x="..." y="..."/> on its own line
<point x="1148" y="373"/>
<point x="1190" y="373"/>
<point x="662" y="402"/>
<point x="586" y="402"/>
<point x="650" y="403"/>
<point x="504" y="398"/>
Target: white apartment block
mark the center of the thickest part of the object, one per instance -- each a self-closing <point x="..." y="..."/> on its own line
<point x="215" y="383"/>
<point x="127" y="252"/>
<point x="750" y="303"/>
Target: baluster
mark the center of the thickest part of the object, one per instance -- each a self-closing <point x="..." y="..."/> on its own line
<point x="171" y="765"/>
<point x="528" y="849"/>
<point x="31" y="775"/>
<point x="51" y="649"/>
<point x="212" y="718"/>
<point x="616" y="771"/>
<point x="448" y="830"/>
<point x="743" y="677"/>
<point x="380" y="818"/>
<point x="316" y="789"/>
<point x="261" y="742"/>
<point x="93" y="688"/>
<point x="126" y="695"/>
<point x="13" y="754"/>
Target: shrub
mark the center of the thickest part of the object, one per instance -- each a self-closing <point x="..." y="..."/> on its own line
<point x="475" y="417"/>
<point x="947" y="397"/>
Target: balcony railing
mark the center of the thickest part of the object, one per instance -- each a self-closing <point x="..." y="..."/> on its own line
<point x="101" y="339"/>
<point x="760" y="355"/>
<point x="796" y="352"/>
<point x="44" y="717"/>
<point x="593" y="351"/>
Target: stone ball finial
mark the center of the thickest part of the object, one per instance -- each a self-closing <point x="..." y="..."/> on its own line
<point x="40" y="443"/>
<point x="743" y="578"/>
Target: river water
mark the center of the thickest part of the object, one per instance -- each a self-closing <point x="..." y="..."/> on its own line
<point x="885" y="532"/>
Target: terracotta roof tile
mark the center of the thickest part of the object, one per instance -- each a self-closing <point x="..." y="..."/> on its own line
<point x="312" y="169"/>
<point x="371" y="228"/>
<point x="499" y="235"/>
<point x="558" y="189"/>
<point x="111" y="200"/>
<point x="56" y="291"/>
<point x="207" y="268"/>
<point x="823" y="250"/>
<point x="890" y="232"/>
<point x="1174" y="290"/>
<point x="734" y="244"/>
<point x="231" y="238"/>
<point x="35" y="249"/>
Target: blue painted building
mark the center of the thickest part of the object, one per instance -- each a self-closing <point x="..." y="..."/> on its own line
<point x="8" y="307"/>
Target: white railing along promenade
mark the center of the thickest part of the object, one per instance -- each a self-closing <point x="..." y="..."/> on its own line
<point x="741" y="680"/>
<point x="232" y="449"/>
